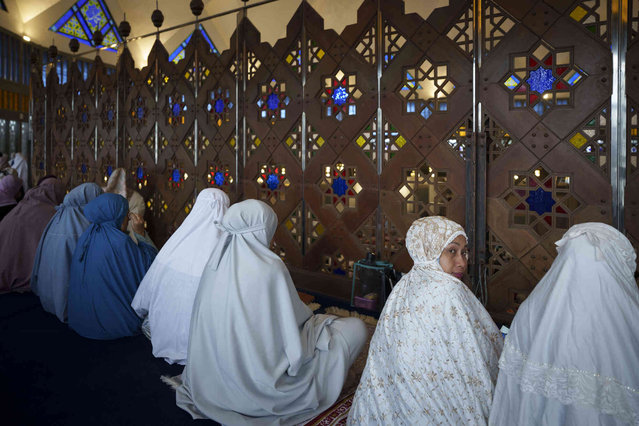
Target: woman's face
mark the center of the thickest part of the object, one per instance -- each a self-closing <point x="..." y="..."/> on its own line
<point x="454" y="258"/>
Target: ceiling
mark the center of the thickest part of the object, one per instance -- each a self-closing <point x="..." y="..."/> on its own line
<point x="34" y="17"/>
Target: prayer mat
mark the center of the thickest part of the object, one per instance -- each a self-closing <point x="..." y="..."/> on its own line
<point x="336" y="415"/>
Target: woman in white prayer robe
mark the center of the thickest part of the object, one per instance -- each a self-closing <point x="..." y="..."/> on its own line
<point x="572" y="354"/>
<point x="257" y="355"/>
<point x="433" y="357"/>
<point x="168" y="289"/>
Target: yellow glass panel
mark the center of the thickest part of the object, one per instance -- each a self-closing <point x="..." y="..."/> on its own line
<point x="578" y="140"/>
<point x="289" y="58"/>
<point x="320" y="141"/>
<point x="578" y="13"/>
<point x="361" y="141"/>
<point x="257" y="142"/>
<point x="289" y="141"/>
<point x="319" y="229"/>
<point x="288" y="224"/>
<point x="320" y="54"/>
<point x="400" y="141"/>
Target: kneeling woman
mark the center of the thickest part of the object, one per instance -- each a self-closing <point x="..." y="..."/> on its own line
<point x="257" y="354"/>
<point x="106" y="269"/>
<point x="433" y="357"/>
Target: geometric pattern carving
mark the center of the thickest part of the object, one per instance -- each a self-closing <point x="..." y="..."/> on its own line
<point x="252" y="139"/>
<point x="498" y="140"/>
<point x="457" y="141"/>
<point x="593" y="15"/>
<point x="498" y="255"/>
<point x="219" y="106"/>
<point x="314" y="229"/>
<point x="175" y="109"/>
<point x="294" y="57"/>
<point x="340" y="186"/>
<point x="425" y="89"/>
<point x="315" y="55"/>
<point x="339" y="95"/>
<point x="496" y="25"/>
<point x="272" y="101"/>
<point x="139" y="112"/>
<point x="176" y="175"/>
<point x="313" y="141"/>
<point x="272" y="182"/>
<point x="540" y="200"/>
<point x="178" y="53"/>
<point x="219" y="176"/>
<point x="337" y="264"/>
<point x="253" y="64"/>
<point x="542" y="79"/>
<point x="366" y="46"/>
<point x="633" y="139"/>
<point x="592" y="140"/>
<point x="393" y="141"/>
<point x="461" y="32"/>
<point x="393" y="43"/>
<point x="393" y="239"/>
<point x="425" y="191"/>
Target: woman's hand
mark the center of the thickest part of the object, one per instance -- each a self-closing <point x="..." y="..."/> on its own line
<point x="137" y="223"/>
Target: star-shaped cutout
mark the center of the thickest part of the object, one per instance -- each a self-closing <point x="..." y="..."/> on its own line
<point x="540" y="201"/>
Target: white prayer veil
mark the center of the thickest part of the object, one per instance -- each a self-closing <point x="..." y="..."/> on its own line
<point x="117" y="183"/>
<point x="572" y="354"/>
<point x="168" y="289"/>
<point x="433" y="357"/>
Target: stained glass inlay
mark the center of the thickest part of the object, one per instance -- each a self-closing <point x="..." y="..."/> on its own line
<point x="592" y="140"/>
<point x="85" y="17"/>
<point x="425" y="191"/>
<point x="273" y="182"/>
<point x="340" y="186"/>
<point x="220" y="176"/>
<point x="339" y="95"/>
<point x="219" y="106"/>
<point x="425" y="88"/>
<point x="540" y="80"/>
<point x="178" y="53"/>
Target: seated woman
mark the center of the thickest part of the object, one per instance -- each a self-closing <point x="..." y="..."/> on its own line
<point x="433" y="357"/>
<point x="50" y="277"/>
<point x="572" y="354"/>
<point x="10" y="186"/>
<point x="167" y="291"/>
<point x="117" y="184"/>
<point x="257" y="354"/>
<point x="106" y="269"/>
<point x="20" y="233"/>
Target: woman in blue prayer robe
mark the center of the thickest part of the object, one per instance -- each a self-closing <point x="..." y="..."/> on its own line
<point x="106" y="269"/>
<point x="50" y="276"/>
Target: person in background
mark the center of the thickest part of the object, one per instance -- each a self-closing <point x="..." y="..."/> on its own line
<point x="117" y="184"/>
<point x="20" y="165"/>
<point x="257" y="354"/>
<point x="10" y="187"/>
<point x="168" y="289"/>
<point x="572" y="354"/>
<point x="106" y="269"/>
<point x="5" y="167"/>
<point x="50" y="277"/>
<point x="433" y="357"/>
<point x="21" y="230"/>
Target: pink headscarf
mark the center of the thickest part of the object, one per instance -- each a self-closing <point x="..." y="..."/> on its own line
<point x="9" y="187"/>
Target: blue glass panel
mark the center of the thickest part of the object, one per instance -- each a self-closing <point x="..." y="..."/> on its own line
<point x="83" y="168"/>
<point x="180" y="49"/>
<point x="175" y="176"/>
<point x="426" y="113"/>
<point x="512" y="82"/>
<point x="540" y="201"/>
<point x="218" y="178"/>
<point x="85" y="16"/>
<point x="340" y="95"/>
<point x="219" y="106"/>
<point x="85" y="117"/>
<point x="176" y="109"/>
<point x="339" y="186"/>
<point x="110" y="115"/>
<point x="273" y="101"/>
<point x="140" y="113"/>
<point x="339" y="271"/>
<point x="139" y="172"/>
<point x="272" y="181"/>
<point x="541" y="80"/>
<point x="109" y="171"/>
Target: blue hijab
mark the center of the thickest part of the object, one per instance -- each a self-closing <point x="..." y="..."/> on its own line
<point x="106" y="269"/>
<point x="50" y="276"/>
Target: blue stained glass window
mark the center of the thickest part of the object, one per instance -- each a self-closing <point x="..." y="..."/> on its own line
<point x="272" y="181"/>
<point x="110" y="115"/>
<point x="139" y="173"/>
<point x="175" y="176"/>
<point x="219" y="106"/>
<point x="140" y="113"/>
<point x="541" y="80"/>
<point x="512" y="82"/>
<point x="273" y="101"/>
<point x="178" y="53"/>
<point x="176" y="109"/>
<point x="340" y="95"/>
<point x="218" y="178"/>
<point x="85" y="17"/>
<point x="339" y="186"/>
<point x="85" y="117"/>
<point x="540" y="201"/>
<point x="109" y="171"/>
<point x="83" y="168"/>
